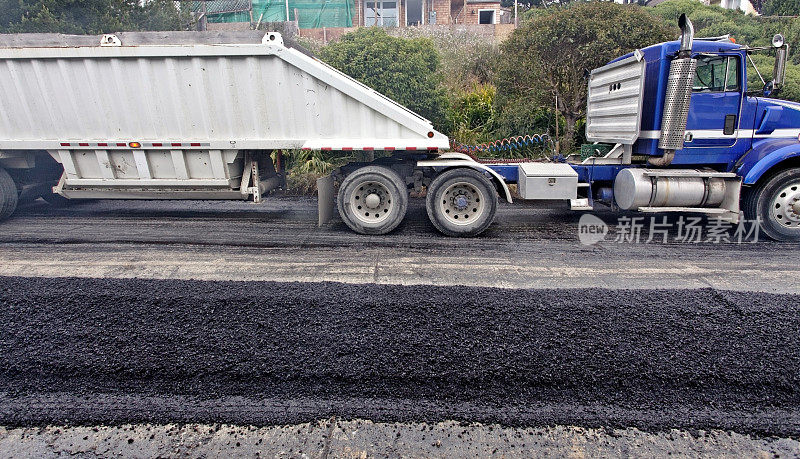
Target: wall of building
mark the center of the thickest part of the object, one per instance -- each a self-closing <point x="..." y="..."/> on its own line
<point x="471" y="13"/>
<point x="442" y="9"/>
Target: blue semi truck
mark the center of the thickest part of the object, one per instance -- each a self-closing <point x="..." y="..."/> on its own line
<point x="686" y="134"/>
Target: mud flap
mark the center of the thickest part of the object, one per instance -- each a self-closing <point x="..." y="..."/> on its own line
<point x="325" y="199"/>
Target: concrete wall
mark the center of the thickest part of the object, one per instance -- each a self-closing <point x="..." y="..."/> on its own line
<point x="326" y="35"/>
<point x="287" y="29"/>
<point x="497" y="32"/>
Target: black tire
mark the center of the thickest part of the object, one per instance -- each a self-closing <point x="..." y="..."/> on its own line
<point x="9" y="196"/>
<point x="372" y="200"/>
<point x="776" y="201"/>
<point x="461" y="202"/>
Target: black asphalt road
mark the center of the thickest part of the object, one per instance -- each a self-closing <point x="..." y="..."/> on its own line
<point x="527" y="247"/>
<point x="98" y="351"/>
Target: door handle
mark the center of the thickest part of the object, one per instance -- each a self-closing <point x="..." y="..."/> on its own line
<point x="730" y="125"/>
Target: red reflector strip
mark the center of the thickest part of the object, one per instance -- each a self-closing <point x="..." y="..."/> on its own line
<point x="325" y="149"/>
<point x="176" y="145"/>
<point x="432" y="149"/>
<point x="119" y="144"/>
<point x="369" y="148"/>
<point x="194" y="144"/>
<point x="82" y="144"/>
<point x="389" y="148"/>
<point x="64" y="144"/>
<point x="103" y="144"/>
<point x="158" y="145"/>
<point x="411" y="148"/>
<point x="347" y="148"/>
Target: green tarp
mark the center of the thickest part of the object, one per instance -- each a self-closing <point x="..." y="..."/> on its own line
<point x="311" y="14"/>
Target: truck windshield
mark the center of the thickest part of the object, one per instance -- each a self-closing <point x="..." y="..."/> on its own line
<point x="716" y="74"/>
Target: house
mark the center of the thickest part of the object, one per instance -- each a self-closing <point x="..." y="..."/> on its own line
<point x="401" y="13"/>
<point x="314" y="14"/>
<point x="745" y="6"/>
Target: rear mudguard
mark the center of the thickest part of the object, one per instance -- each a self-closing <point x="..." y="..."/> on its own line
<point x="452" y="159"/>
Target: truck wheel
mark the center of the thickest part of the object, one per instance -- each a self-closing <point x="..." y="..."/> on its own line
<point x="372" y="200"/>
<point x="461" y="202"/>
<point x="776" y="202"/>
<point x="8" y="195"/>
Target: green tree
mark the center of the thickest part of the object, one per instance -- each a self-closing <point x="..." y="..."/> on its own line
<point x="90" y="16"/>
<point x="781" y="8"/>
<point x="547" y="57"/>
<point x="710" y="21"/>
<point x="402" y="69"/>
<point x="163" y="15"/>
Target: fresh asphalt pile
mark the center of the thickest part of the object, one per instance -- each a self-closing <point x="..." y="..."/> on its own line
<point x="108" y="351"/>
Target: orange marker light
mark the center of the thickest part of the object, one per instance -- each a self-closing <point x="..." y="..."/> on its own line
<point x="135" y="145"/>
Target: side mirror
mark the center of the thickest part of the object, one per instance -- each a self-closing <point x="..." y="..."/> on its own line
<point x="769" y="88"/>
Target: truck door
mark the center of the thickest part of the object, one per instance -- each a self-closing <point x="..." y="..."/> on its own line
<point x="712" y="128"/>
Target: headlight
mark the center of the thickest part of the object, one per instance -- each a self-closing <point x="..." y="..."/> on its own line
<point x="777" y="40"/>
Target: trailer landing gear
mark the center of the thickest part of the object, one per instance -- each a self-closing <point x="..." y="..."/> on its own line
<point x="461" y="202"/>
<point x="373" y="200"/>
<point x="777" y="203"/>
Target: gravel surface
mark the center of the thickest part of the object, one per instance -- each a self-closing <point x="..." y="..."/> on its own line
<point x="87" y="351"/>
<point x="360" y="438"/>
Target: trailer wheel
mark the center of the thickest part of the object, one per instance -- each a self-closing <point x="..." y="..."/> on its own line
<point x="776" y="202"/>
<point x="8" y="195"/>
<point x="461" y="202"/>
<point x="372" y="200"/>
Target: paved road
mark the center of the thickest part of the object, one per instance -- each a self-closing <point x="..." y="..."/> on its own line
<point x="103" y="351"/>
<point x="707" y="340"/>
<point x="528" y="247"/>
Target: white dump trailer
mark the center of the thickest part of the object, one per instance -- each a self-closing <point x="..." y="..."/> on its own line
<point x="179" y="115"/>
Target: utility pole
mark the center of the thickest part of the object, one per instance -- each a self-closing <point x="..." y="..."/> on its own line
<point x="202" y="24"/>
<point x="516" y="15"/>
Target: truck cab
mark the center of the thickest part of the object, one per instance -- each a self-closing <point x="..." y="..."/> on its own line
<point x="694" y="137"/>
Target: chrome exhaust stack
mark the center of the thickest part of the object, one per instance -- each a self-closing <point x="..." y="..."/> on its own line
<point x="678" y="95"/>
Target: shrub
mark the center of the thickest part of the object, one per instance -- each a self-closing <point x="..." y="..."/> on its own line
<point x="402" y="69"/>
<point x="470" y="114"/>
<point x="467" y="58"/>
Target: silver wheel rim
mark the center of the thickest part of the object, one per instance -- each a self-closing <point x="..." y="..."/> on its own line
<point x="371" y="202"/>
<point x="462" y="203"/>
<point x="784" y="207"/>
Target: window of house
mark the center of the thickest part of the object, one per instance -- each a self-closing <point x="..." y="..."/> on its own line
<point x="486" y="17"/>
<point x="716" y="74"/>
<point x="379" y="13"/>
